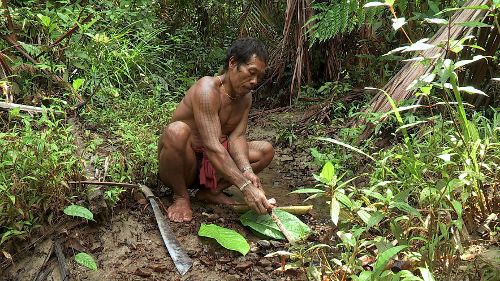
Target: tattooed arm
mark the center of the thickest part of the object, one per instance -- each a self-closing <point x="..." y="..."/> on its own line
<point x="238" y="148"/>
<point x="206" y="106"/>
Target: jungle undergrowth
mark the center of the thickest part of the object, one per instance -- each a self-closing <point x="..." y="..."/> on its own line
<point x="423" y="198"/>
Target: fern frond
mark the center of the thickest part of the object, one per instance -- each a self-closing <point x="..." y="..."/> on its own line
<point x="334" y="18"/>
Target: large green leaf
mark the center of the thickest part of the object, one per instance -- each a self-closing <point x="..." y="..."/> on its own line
<point x="86" y="260"/>
<point x="383" y="259"/>
<point x="228" y="238"/>
<point x="79" y="211"/>
<point x="328" y="172"/>
<point x="266" y="226"/>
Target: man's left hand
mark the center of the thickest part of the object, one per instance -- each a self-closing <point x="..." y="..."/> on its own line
<point x="253" y="178"/>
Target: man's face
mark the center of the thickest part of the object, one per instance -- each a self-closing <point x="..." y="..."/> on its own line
<point x="246" y="76"/>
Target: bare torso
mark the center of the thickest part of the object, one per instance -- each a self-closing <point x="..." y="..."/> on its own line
<point x="230" y="112"/>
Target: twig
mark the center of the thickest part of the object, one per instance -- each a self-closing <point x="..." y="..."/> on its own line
<point x="70" y="32"/>
<point x="105" y="183"/>
<point x="282" y="228"/>
<point x="16" y="46"/>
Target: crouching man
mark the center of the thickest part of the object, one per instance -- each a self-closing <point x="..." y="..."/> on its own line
<point x="205" y="146"/>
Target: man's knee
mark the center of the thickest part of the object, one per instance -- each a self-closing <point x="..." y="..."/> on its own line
<point x="176" y="133"/>
<point x="267" y="150"/>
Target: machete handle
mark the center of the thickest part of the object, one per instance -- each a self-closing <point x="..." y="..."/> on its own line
<point x="147" y="192"/>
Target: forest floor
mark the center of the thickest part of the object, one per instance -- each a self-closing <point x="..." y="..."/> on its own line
<point x="127" y="245"/>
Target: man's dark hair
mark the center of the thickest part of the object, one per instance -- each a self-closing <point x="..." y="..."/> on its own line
<point x="243" y="49"/>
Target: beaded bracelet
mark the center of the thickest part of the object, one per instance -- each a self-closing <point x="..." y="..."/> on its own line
<point x="242" y="188"/>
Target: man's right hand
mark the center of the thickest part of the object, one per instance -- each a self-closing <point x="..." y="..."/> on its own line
<point x="256" y="199"/>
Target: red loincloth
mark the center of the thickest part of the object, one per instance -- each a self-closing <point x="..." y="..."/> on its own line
<point x="207" y="173"/>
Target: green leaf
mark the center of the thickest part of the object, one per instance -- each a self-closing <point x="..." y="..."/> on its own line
<point x="328" y="172"/>
<point x="370" y="219"/>
<point x="334" y="210"/>
<point x="374" y="4"/>
<point x="480" y="7"/>
<point x="86" y="260"/>
<point x="436" y="20"/>
<point x="364" y="275"/>
<point x="364" y="215"/>
<point x="426" y="274"/>
<point x="308" y="190"/>
<point x="345" y="145"/>
<point x="10" y="233"/>
<point x="31" y="49"/>
<point x="77" y="83"/>
<point x="45" y="20"/>
<point x="62" y="16"/>
<point x="405" y="207"/>
<point x="343" y="199"/>
<point x="375" y="218"/>
<point x="398" y="23"/>
<point x="420" y="45"/>
<point x="473" y="24"/>
<point x="266" y="226"/>
<point x="389" y="2"/>
<point x="465" y="62"/>
<point x="383" y="259"/>
<point x="227" y="238"/>
<point x="79" y="211"/>
<point x="347" y="238"/>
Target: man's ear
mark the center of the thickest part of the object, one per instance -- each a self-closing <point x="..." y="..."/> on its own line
<point x="232" y="62"/>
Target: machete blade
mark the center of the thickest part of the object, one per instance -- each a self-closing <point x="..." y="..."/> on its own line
<point x="181" y="260"/>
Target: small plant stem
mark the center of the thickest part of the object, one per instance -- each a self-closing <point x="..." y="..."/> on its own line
<point x="402" y="29"/>
<point x="466" y="129"/>
<point x="496" y="22"/>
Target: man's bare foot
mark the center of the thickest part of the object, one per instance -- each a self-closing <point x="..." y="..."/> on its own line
<point x="180" y="210"/>
<point x="218" y="198"/>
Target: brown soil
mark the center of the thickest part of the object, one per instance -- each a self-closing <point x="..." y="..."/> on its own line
<point x="128" y="246"/>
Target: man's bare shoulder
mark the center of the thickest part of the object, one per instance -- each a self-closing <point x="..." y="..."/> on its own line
<point x="204" y="86"/>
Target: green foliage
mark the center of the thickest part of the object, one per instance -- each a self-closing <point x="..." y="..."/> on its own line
<point x="266" y="226"/>
<point x="418" y="191"/>
<point x="112" y="195"/>
<point x="227" y="238"/>
<point x="333" y="18"/>
<point x="129" y="66"/>
<point x="86" y="260"/>
<point x="79" y="211"/>
<point x="37" y="157"/>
